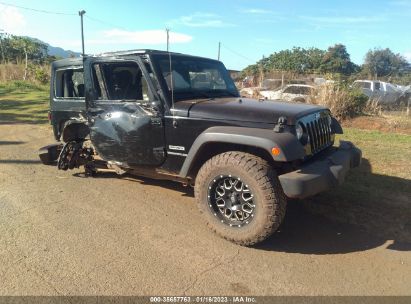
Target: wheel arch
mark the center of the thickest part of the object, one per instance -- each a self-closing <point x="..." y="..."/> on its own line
<point x="74" y="130"/>
<point x="259" y="142"/>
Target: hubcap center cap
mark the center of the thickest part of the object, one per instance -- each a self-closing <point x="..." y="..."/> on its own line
<point x="233" y="198"/>
<point x="235" y="207"/>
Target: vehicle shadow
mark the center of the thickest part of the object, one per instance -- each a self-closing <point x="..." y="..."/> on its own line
<point x="10" y="142"/>
<point x="307" y="233"/>
<point x="367" y="211"/>
<point x="359" y="215"/>
<point x="20" y="161"/>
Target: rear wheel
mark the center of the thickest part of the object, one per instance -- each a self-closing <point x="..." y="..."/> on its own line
<point x="240" y="197"/>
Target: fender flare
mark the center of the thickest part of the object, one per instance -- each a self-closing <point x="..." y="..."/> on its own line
<point x="291" y="148"/>
<point x="74" y="130"/>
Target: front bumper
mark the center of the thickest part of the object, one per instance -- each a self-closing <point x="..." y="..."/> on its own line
<point x="321" y="173"/>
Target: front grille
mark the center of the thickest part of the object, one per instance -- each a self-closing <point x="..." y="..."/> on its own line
<point x="319" y="131"/>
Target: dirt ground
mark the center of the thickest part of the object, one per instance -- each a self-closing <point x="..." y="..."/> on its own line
<point x="63" y="234"/>
<point x="387" y="122"/>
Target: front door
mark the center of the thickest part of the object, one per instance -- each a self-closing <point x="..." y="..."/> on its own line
<point x="126" y="125"/>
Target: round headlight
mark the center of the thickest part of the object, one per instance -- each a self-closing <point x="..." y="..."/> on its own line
<point x="299" y="131"/>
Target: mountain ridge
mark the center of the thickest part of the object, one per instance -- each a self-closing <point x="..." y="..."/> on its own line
<point x="56" y="50"/>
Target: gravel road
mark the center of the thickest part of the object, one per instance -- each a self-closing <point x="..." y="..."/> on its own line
<point x="63" y="234"/>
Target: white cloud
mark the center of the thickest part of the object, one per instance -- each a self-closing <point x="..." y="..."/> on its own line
<point x="200" y="20"/>
<point x="116" y="36"/>
<point x="407" y="55"/>
<point x="11" y="20"/>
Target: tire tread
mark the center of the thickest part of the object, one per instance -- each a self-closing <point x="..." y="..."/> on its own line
<point x="266" y="178"/>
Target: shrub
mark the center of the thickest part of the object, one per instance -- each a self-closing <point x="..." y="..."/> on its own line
<point x="41" y="75"/>
<point x="38" y="73"/>
<point x="20" y="86"/>
<point x="343" y="101"/>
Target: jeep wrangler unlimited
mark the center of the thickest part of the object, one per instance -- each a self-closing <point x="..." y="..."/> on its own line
<point x="179" y="117"/>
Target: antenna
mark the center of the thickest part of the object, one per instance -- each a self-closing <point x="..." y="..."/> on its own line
<point x="219" y="48"/>
<point x="171" y="80"/>
<point x="168" y="37"/>
<point x="81" y="13"/>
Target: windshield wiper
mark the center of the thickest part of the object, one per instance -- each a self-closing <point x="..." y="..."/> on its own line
<point x="203" y="94"/>
<point x="231" y="94"/>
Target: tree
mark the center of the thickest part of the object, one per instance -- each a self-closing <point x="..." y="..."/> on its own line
<point x="297" y="60"/>
<point x="337" y="60"/>
<point x="16" y="49"/>
<point x="24" y="46"/>
<point x="383" y="62"/>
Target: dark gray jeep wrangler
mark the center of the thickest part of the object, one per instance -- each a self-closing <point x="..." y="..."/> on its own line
<point x="179" y="117"/>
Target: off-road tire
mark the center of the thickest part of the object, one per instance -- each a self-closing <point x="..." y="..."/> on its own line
<point x="270" y="200"/>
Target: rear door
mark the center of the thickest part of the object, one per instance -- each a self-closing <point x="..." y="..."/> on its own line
<point x="66" y="95"/>
<point x="126" y="125"/>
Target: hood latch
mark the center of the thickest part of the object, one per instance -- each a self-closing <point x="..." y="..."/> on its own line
<point x="281" y="123"/>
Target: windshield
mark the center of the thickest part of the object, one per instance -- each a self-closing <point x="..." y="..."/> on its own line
<point x="195" y="77"/>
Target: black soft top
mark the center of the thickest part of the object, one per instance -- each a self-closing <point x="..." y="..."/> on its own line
<point x="78" y="61"/>
<point x="68" y="62"/>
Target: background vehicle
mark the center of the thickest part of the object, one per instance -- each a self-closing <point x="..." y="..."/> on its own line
<point x="383" y="92"/>
<point x="291" y="92"/>
<point x="180" y="117"/>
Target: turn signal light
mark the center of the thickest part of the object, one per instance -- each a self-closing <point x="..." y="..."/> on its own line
<point x="275" y="151"/>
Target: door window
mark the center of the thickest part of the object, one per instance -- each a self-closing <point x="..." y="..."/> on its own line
<point x="120" y="81"/>
<point x="69" y="83"/>
<point x="377" y="86"/>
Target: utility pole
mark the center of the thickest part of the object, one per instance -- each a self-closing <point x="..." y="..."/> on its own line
<point x="1" y="45"/>
<point x="219" y="48"/>
<point x="168" y="38"/>
<point x="261" y="71"/>
<point x="81" y="13"/>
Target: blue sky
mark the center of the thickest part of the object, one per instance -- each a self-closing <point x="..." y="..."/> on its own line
<point x="247" y="29"/>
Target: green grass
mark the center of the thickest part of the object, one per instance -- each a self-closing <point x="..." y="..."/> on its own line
<point x="23" y="102"/>
<point x="385" y="171"/>
<point x="389" y="153"/>
<point x="377" y="194"/>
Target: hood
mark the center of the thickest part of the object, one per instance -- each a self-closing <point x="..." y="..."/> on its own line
<point x="244" y="109"/>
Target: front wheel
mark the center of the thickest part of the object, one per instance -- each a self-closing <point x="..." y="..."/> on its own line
<point x="240" y="196"/>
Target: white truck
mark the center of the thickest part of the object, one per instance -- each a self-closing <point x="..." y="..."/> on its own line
<point x="382" y="92"/>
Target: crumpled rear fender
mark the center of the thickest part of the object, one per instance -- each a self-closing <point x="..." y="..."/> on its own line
<point x="75" y="130"/>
